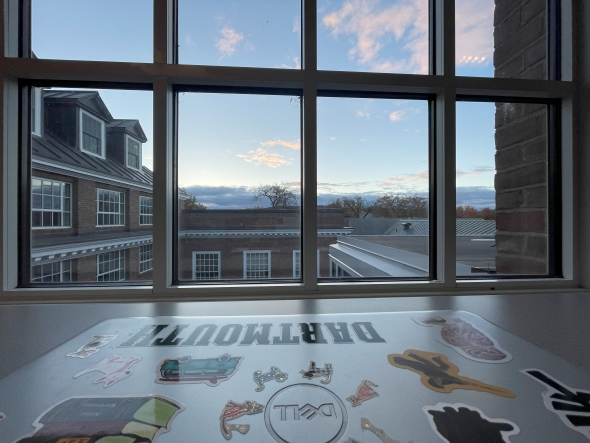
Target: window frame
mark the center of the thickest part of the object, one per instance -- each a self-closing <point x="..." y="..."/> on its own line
<point x="37" y="114"/>
<point x="22" y="72"/>
<point x="62" y="211"/>
<point x="193" y="263"/>
<point x="151" y="216"/>
<point x="119" y="252"/>
<point x="257" y="251"/>
<point x="117" y="214"/>
<point x="150" y="260"/>
<point x="127" y="139"/>
<point x="61" y="272"/>
<point x="297" y="253"/>
<point x="103" y="153"/>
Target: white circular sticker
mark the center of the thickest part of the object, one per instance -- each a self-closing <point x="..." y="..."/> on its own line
<point x="305" y="413"/>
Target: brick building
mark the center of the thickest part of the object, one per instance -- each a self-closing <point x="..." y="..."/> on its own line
<point x="92" y="208"/>
<point x="91" y="197"/>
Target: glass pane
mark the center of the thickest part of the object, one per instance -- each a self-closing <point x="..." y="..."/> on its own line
<point x="501" y="189"/>
<point x="507" y="40"/>
<point x="257" y="33"/>
<point x="105" y="30"/>
<point x="81" y="209"/>
<point x="239" y="172"/>
<point x="374" y="36"/>
<point x="373" y="181"/>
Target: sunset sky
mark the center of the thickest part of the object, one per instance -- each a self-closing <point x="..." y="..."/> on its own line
<point x="229" y="143"/>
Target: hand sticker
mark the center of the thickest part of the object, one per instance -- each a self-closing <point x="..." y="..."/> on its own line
<point x="440" y="375"/>
<point x="460" y="423"/>
<point x="572" y="406"/>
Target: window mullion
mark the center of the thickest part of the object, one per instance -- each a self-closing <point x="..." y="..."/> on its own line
<point x="163" y="182"/>
<point x="164" y="31"/>
<point x="445" y="165"/>
<point x="308" y="264"/>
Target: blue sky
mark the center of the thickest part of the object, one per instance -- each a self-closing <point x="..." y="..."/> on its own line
<point x="230" y="143"/>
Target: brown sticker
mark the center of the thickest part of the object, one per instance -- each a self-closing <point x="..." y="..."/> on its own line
<point x="439" y="374"/>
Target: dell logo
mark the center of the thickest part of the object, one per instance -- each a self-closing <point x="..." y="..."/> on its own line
<point x="309" y="412"/>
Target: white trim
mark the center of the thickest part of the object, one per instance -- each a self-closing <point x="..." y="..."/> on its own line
<point x="151" y="259"/>
<point x="119" y="252"/>
<point x="102" y="137"/>
<point x="55" y="167"/>
<point x="249" y="252"/>
<point x="120" y="214"/>
<point x="127" y="138"/>
<point x="236" y="233"/>
<point x="298" y="252"/>
<point x="194" y="271"/>
<point x="146" y="215"/>
<point x="62" y="210"/>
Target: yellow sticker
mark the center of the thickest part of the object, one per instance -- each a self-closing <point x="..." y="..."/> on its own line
<point x="439" y="374"/>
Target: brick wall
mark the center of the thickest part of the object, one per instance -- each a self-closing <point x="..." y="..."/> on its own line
<point x="521" y="141"/>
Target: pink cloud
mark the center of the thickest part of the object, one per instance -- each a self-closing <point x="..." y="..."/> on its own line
<point x="229" y="41"/>
<point x="265" y="158"/>
<point x="291" y="145"/>
<point x="417" y="177"/>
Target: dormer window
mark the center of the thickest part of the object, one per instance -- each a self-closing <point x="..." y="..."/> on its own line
<point x="92" y="135"/>
<point x="133" y="148"/>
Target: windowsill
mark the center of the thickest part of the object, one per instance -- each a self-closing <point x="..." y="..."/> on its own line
<point x="50" y="227"/>
<point x="102" y="157"/>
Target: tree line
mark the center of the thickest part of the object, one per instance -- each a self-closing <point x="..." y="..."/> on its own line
<point x="282" y="196"/>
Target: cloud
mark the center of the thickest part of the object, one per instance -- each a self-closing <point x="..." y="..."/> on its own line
<point x="397" y="116"/>
<point x="229" y="41"/>
<point x="296" y="64"/>
<point x="297" y="25"/>
<point x="189" y="41"/>
<point x="265" y="158"/>
<point x="362" y="114"/>
<point x="372" y="28"/>
<point x="404" y="179"/>
<point x="332" y="138"/>
<point x="223" y="197"/>
<point x="476" y="196"/>
<point x="474" y="29"/>
<point x="296" y="144"/>
<point x="475" y="171"/>
<point x="249" y="47"/>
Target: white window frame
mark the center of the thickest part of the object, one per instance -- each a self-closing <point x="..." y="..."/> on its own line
<point x="102" y="136"/>
<point x="120" y="258"/>
<point x="120" y="214"/>
<point x="127" y="138"/>
<point x="575" y="250"/>
<point x="63" y="197"/>
<point x="297" y="261"/>
<point x="61" y="271"/>
<point x="149" y="261"/>
<point x="36" y="121"/>
<point x="249" y="252"/>
<point x="194" y="264"/>
<point x="151" y="216"/>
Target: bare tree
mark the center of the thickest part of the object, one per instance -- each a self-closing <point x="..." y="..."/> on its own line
<point x="401" y="206"/>
<point x="353" y="207"/>
<point x="280" y="195"/>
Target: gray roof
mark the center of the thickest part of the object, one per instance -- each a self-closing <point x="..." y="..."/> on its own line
<point x="89" y="100"/>
<point x="418" y="227"/>
<point x="132" y="127"/>
<point x="51" y="149"/>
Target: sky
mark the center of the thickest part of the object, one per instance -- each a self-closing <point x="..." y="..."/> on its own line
<point x="229" y="144"/>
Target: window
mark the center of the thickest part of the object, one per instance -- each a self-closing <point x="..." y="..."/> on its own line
<point x="206" y="265"/>
<point x="92" y="135"/>
<point x="225" y="124"/>
<point x="110" y="208"/>
<point x="51" y="204"/>
<point x="297" y="263"/>
<point x="257" y="264"/>
<point x="110" y="266"/>
<point x="56" y="272"/>
<point x="146" y="210"/>
<point x="146" y="258"/>
<point x="133" y="153"/>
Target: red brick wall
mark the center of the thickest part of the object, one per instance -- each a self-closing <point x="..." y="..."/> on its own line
<point x="521" y="141"/>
